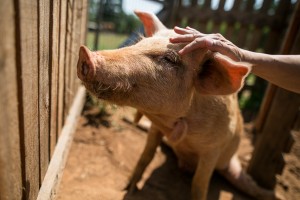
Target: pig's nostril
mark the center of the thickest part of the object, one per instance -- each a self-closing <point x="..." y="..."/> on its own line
<point x="84" y="69"/>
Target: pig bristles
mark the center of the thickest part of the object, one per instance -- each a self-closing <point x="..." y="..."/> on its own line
<point x="100" y="87"/>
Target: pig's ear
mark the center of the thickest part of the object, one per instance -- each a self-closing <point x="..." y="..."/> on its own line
<point x="220" y="75"/>
<point x="151" y="23"/>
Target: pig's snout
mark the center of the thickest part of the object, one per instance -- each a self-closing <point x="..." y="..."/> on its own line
<point x="85" y="66"/>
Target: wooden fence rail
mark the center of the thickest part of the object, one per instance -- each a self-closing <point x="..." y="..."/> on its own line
<point x="38" y="53"/>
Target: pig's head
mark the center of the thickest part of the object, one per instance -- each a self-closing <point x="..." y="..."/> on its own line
<point x="151" y="75"/>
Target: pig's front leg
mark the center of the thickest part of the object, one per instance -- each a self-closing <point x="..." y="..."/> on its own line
<point x="153" y="140"/>
<point x="203" y="173"/>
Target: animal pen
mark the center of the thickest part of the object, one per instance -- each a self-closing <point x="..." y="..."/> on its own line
<point x="41" y="95"/>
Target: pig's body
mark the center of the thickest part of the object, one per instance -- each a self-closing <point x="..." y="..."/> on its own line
<point x="191" y="100"/>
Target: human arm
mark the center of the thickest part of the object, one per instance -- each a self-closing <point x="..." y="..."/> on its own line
<point x="281" y="70"/>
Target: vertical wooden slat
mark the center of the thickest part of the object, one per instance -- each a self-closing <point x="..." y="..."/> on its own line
<point x="79" y="19"/>
<point x="54" y="45"/>
<point x="231" y="22"/>
<point x="10" y="161"/>
<point x="68" y="47"/>
<point x="245" y="25"/>
<point x="258" y="30"/>
<point x="62" y="57"/>
<point x="44" y="86"/>
<point x="27" y="58"/>
<point x="73" y="55"/>
<point x="84" y="21"/>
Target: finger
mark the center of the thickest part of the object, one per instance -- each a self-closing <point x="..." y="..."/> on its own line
<point x="223" y="48"/>
<point x="181" y="31"/>
<point x="196" y="44"/>
<point x="182" y="38"/>
<point x="190" y="28"/>
<point x="194" y="30"/>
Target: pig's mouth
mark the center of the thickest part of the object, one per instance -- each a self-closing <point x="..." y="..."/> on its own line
<point x="116" y="92"/>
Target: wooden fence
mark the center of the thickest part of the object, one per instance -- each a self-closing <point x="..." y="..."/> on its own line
<point x="39" y="45"/>
<point x="246" y="23"/>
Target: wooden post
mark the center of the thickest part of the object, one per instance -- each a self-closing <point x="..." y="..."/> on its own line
<point x="10" y="158"/>
<point x="275" y="138"/>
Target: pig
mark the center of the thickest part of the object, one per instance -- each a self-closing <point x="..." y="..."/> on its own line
<point x="191" y="101"/>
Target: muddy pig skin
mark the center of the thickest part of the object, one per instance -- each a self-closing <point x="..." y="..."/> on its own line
<point x="190" y="99"/>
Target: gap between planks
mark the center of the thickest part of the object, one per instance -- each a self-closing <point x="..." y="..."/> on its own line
<point x="55" y="170"/>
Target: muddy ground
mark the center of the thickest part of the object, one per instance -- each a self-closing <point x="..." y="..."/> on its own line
<point x="106" y="148"/>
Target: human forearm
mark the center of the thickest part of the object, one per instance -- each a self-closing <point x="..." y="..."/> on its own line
<point x="281" y="70"/>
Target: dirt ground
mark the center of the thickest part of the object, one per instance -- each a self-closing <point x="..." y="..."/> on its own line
<point x="106" y="148"/>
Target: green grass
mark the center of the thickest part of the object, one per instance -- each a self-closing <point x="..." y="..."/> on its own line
<point x="107" y="40"/>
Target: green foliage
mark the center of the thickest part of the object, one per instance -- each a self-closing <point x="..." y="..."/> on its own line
<point x="107" y="40"/>
<point x="126" y="23"/>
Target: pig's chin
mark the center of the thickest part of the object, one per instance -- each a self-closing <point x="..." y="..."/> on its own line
<point x="109" y="92"/>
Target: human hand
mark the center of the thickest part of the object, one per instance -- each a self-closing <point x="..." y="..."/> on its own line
<point x="214" y="42"/>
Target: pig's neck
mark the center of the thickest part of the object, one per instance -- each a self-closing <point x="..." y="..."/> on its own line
<point x="203" y="113"/>
<point x="164" y="123"/>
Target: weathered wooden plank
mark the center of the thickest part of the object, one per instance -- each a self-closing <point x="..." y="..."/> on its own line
<point x="44" y="86"/>
<point x="27" y="58"/>
<point x="78" y="19"/>
<point x="54" y="62"/>
<point x="11" y="177"/>
<point x="68" y="49"/>
<point x="58" y="161"/>
<point x="84" y="21"/>
<point x="62" y="58"/>
<point x="74" y="52"/>
<point x="83" y="28"/>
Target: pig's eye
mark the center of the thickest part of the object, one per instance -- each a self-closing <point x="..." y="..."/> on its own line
<point x="171" y="57"/>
